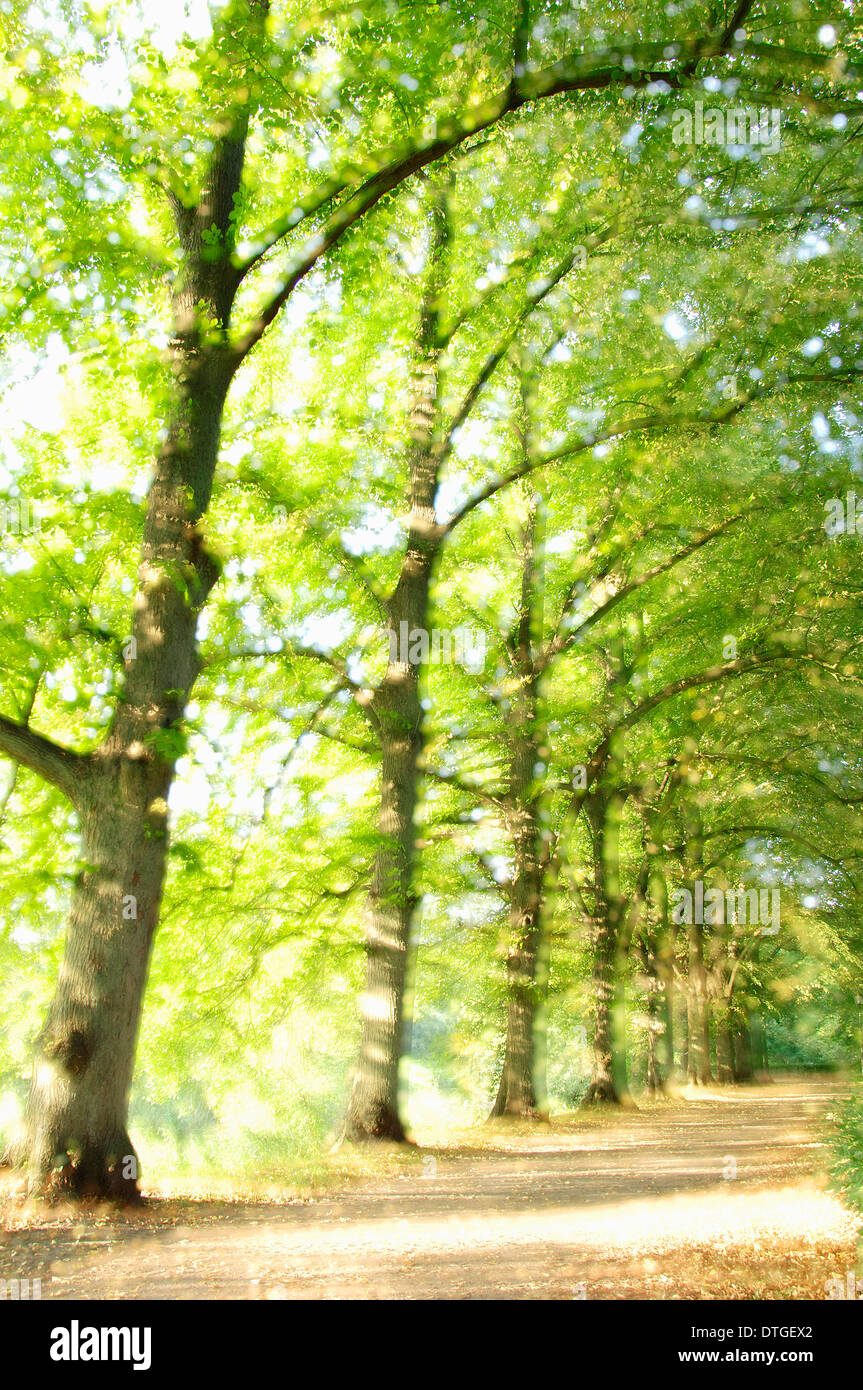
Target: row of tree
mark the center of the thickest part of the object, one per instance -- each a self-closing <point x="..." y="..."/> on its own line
<point x="512" y="358"/>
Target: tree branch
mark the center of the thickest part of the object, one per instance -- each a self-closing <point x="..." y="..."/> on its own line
<point x="60" y="766"/>
<point x="560" y="642"/>
<point x="633" y="65"/>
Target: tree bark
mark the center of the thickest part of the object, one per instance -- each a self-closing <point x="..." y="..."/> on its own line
<point x="698" y="1010"/>
<point x="75" y="1137"/>
<point x="373" y="1108"/>
<point x="724" y="976"/>
<point x="724" y="1047"/>
<point x="659" y="963"/>
<point x="603" y="1088"/>
<point x="75" y="1125"/>
<point x="742" y="1045"/>
<point x="684" y="1036"/>
<point x="658" y="1015"/>
<point x="76" y="1121"/>
<point x="608" y="1077"/>
<point x="668" y="1008"/>
<point x="373" y="1111"/>
<point x="759" y="1047"/>
<point x="517" y="1091"/>
<point x="516" y="1094"/>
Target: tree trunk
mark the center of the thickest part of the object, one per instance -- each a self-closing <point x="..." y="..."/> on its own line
<point x="724" y="976"/>
<point x="759" y="1047"/>
<point x="75" y="1137"/>
<point x="653" y="1078"/>
<point x="602" y="1087"/>
<point x="608" y="1078"/>
<point x="724" y="1047"/>
<point x="540" y="1018"/>
<point x="668" y="1008"/>
<point x="657" y="1024"/>
<point x="76" y="1123"/>
<point x="516" y="1094"/>
<point x="698" y="1010"/>
<point x="373" y="1110"/>
<point x="742" y="1045"/>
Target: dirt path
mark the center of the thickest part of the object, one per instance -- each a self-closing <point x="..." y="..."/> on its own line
<point x="719" y="1196"/>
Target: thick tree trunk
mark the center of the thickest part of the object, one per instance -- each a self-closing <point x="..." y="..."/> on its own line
<point x="373" y="1109"/>
<point x="75" y="1134"/>
<point x="516" y="1094"/>
<point x="75" y="1137"/>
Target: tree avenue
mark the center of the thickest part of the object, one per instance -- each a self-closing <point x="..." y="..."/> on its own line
<point x="327" y="326"/>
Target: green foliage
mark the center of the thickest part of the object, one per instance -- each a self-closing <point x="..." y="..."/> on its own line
<point x="847" y="1150"/>
<point x="687" y="395"/>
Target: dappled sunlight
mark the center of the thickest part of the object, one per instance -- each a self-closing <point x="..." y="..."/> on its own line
<point x="633" y="1208"/>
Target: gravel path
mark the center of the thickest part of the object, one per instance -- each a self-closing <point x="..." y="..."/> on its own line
<point x="718" y="1195"/>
